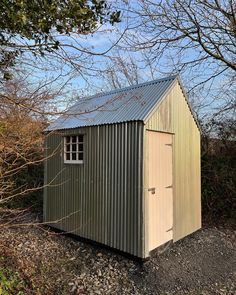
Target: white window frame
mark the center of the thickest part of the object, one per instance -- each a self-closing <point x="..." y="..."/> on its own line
<point x="77" y="161"/>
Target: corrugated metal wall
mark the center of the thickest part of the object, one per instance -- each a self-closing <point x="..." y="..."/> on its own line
<point x="173" y="115"/>
<point x="101" y="199"/>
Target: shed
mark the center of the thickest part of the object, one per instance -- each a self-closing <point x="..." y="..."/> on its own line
<point x="123" y="168"/>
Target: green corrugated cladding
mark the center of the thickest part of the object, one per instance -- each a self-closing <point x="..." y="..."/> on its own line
<point x="101" y="199"/>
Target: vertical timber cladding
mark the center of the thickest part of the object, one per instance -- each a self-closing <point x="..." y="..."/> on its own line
<point x="100" y="199"/>
<point x="173" y="115"/>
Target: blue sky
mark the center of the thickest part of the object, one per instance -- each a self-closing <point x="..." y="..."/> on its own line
<point x="83" y="78"/>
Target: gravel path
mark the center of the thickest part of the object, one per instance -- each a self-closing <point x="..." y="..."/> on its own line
<point x="203" y="263"/>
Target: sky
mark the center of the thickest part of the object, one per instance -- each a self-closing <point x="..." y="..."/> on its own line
<point x="83" y="76"/>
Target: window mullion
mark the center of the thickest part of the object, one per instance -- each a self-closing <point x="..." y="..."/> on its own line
<point x="73" y="152"/>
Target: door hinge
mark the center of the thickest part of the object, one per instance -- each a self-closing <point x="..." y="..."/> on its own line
<point x="170" y="186"/>
<point x="168" y="144"/>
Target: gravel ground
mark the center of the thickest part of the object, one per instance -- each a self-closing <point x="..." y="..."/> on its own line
<point x="49" y="263"/>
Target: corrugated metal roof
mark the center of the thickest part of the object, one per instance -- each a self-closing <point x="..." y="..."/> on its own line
<point x="132" y="103"/>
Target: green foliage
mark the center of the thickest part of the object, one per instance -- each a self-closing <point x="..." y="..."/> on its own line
<point x="2" y="126"/>
<point x="219" y="171"/>
<point x="39" y="21"/>
<point x="32" y="175"/>
<point x="35" y="19"/>
<point x="10" y="283"/>
<point x="218" y="185"/>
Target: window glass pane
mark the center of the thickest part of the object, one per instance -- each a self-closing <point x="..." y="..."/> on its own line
<point x="74" y="148"/>
<point x="80" y="138"/>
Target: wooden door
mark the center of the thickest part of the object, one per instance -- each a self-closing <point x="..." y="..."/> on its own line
<point x="160" y="191"/>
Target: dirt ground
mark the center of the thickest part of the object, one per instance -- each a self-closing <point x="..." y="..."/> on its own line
<point x="51" y="263"/>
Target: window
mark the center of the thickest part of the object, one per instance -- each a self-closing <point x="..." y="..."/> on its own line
<point x="74" y="149"/>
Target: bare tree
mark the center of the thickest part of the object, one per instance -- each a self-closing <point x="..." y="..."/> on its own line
<point x="21" y="137"/>
<point x="121" y="71"/>
<point x="208" y="27"/>
<point x="195" y="38"/>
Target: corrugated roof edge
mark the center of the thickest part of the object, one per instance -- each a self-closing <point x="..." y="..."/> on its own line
<point x="88" y="126"/>
<point x="101" y="94"/>
<point x="189" y="104"/>
<point x="172" y="77"/>
<point x="132" y="87"/>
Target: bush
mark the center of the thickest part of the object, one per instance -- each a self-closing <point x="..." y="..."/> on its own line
<point x="32" y="175"/>
<point x="218" y="171"/>
<point x="10" y="283"/>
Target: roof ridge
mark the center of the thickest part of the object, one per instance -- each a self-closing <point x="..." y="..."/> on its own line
<point x="114" y="91"/>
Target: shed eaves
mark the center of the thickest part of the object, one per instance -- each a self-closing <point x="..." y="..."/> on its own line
<point x="132" y="103"/>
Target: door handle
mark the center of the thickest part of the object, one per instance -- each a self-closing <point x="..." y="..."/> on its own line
<point x="152" y="190"/>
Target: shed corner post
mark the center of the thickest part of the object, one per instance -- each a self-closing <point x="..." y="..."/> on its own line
<point x="45" y="179"/>
<point x="145" y="194"/>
